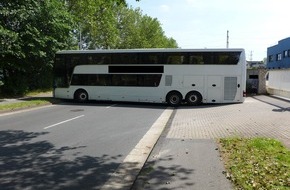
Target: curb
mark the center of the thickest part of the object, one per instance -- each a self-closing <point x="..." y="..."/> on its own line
<point x="124" y="177"/>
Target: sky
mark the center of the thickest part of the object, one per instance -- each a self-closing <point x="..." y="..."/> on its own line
<point x="253" y="25"/>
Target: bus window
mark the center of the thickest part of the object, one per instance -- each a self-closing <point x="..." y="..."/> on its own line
<point x="150" y="58"/>
<point x="176" y="58"/>
<point x="99" y="59"/>
<point x="208" y="58"/>
<point x="227" y="58"/>
<point x="196" y="59"/>
<point x="123" y="58"/>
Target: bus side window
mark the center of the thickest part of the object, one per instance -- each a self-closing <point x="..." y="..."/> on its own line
<point x="145" y="58"/>
<point x="208" y="58"/>
<point x="176" y="59"/>
<point x="196" y="59"/>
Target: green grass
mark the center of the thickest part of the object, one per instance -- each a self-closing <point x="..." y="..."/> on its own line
<point x="257" y="163"/>
<point x="31" y="99"/>
<point x="39" y="91"/>
<point x="25" y="104"/>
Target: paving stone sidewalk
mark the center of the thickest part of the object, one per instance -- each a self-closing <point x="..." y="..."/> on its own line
<point x="186" y="155"/>
<point x="259" y="116"/>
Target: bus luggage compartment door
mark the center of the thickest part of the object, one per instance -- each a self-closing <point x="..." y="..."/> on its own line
<point x="214" y="90"/>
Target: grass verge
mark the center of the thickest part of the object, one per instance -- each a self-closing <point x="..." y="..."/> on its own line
<point x="25" y="104"/>
<point x="257" y="163"/>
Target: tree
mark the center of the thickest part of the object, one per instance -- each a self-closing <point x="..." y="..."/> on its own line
<point x="104" y="24"/>
<point x="96" y="21"/>
<point x="141" y="31"/>
<point x="31" y="31"/>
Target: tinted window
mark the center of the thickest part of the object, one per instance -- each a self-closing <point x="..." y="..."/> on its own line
<point x="217" y="58"/>
<point x="175" y="58"/>
<point x="150" y="58"/>
<point x="124" y="58"/>
<point x="149" y="80"/>
<point x="227" y="58"/>
<point x="98" y="59"/>
<point x="196" y="58"/>
<point x="61" y="76"/>
<point x="136" y="69"/>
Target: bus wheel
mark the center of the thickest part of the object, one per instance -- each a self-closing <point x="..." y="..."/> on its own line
<point x="174" y="99"/>
<point x="193" y="98"/>
<point x="81" y="96"/>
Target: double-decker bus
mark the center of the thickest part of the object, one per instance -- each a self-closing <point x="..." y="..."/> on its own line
<point x="172" y="76"/>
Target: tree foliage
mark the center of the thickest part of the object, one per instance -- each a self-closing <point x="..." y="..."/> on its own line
<point x="96" y="22"/>
<point x="141" y="31"/>
<point x="31" y="31"/>
<point x="112" y="24"/>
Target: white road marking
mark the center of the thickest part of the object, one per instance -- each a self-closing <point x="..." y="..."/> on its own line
<point x="63" y="122"/>
<point x="111" y="106"/>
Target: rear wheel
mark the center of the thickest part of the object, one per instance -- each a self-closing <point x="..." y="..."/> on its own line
<point x="174" y="99"/>
<point x="81" y="96"/>
<point x="193" y="98"/>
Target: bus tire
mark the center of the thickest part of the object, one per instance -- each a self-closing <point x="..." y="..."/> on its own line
<point x="81" y="95"/>
<point x="174" y="98"/>
<point x="193" y="98"/>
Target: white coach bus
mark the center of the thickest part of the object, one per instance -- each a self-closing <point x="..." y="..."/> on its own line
<point x="172" y="76"/>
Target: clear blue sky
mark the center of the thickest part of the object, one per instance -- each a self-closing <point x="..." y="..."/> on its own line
<point x="252" y="24"/>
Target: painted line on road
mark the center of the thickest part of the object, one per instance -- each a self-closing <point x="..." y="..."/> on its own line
<point x="63" y="122"/>
<point x="125" y="175"/>
<point x="111" y="106"/>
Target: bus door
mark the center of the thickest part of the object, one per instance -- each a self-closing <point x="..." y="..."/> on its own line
<point x="214" y="92"/>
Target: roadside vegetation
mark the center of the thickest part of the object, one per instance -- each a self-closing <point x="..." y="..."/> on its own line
<point x="256" y="163"/>
<point x="31" y="99"/>
<point x="24" y="104"/>
<point x="32" y="31"/>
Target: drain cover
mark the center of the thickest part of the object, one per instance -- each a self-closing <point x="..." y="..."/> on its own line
<point x="76" y="110"/>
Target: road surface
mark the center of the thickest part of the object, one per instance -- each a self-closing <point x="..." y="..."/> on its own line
<point x="70" y="146"/>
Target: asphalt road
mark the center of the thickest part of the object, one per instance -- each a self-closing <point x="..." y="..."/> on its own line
<point x="70" y="146"/>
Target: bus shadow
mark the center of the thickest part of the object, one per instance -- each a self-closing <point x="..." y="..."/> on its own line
<point x="94" y="103"/>
<point x="279" y="108"/>
<point x="206" y="106"/>
<point x="140" y="104"/>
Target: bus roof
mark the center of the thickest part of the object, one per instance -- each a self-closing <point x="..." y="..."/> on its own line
<point x="156" y="50"/>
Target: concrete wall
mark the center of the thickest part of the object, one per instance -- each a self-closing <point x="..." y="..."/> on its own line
<point x="279" y="83"/>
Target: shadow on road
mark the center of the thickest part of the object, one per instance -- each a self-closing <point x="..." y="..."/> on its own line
<point x="29" y="164"/>
<point x="152" y="177"/>
<point x="270" y="101"/>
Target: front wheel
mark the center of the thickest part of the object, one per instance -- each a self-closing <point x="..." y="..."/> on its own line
<point x="81" y="96"/>
<point x="174" y="99"/>
<point x="193" y="98"/>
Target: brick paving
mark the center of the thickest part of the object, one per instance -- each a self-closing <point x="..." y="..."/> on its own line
<point x="259" y="116"/>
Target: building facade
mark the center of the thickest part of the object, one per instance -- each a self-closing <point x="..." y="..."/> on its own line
<point x="278" y="65"/>
<point x="278" y="56"/>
